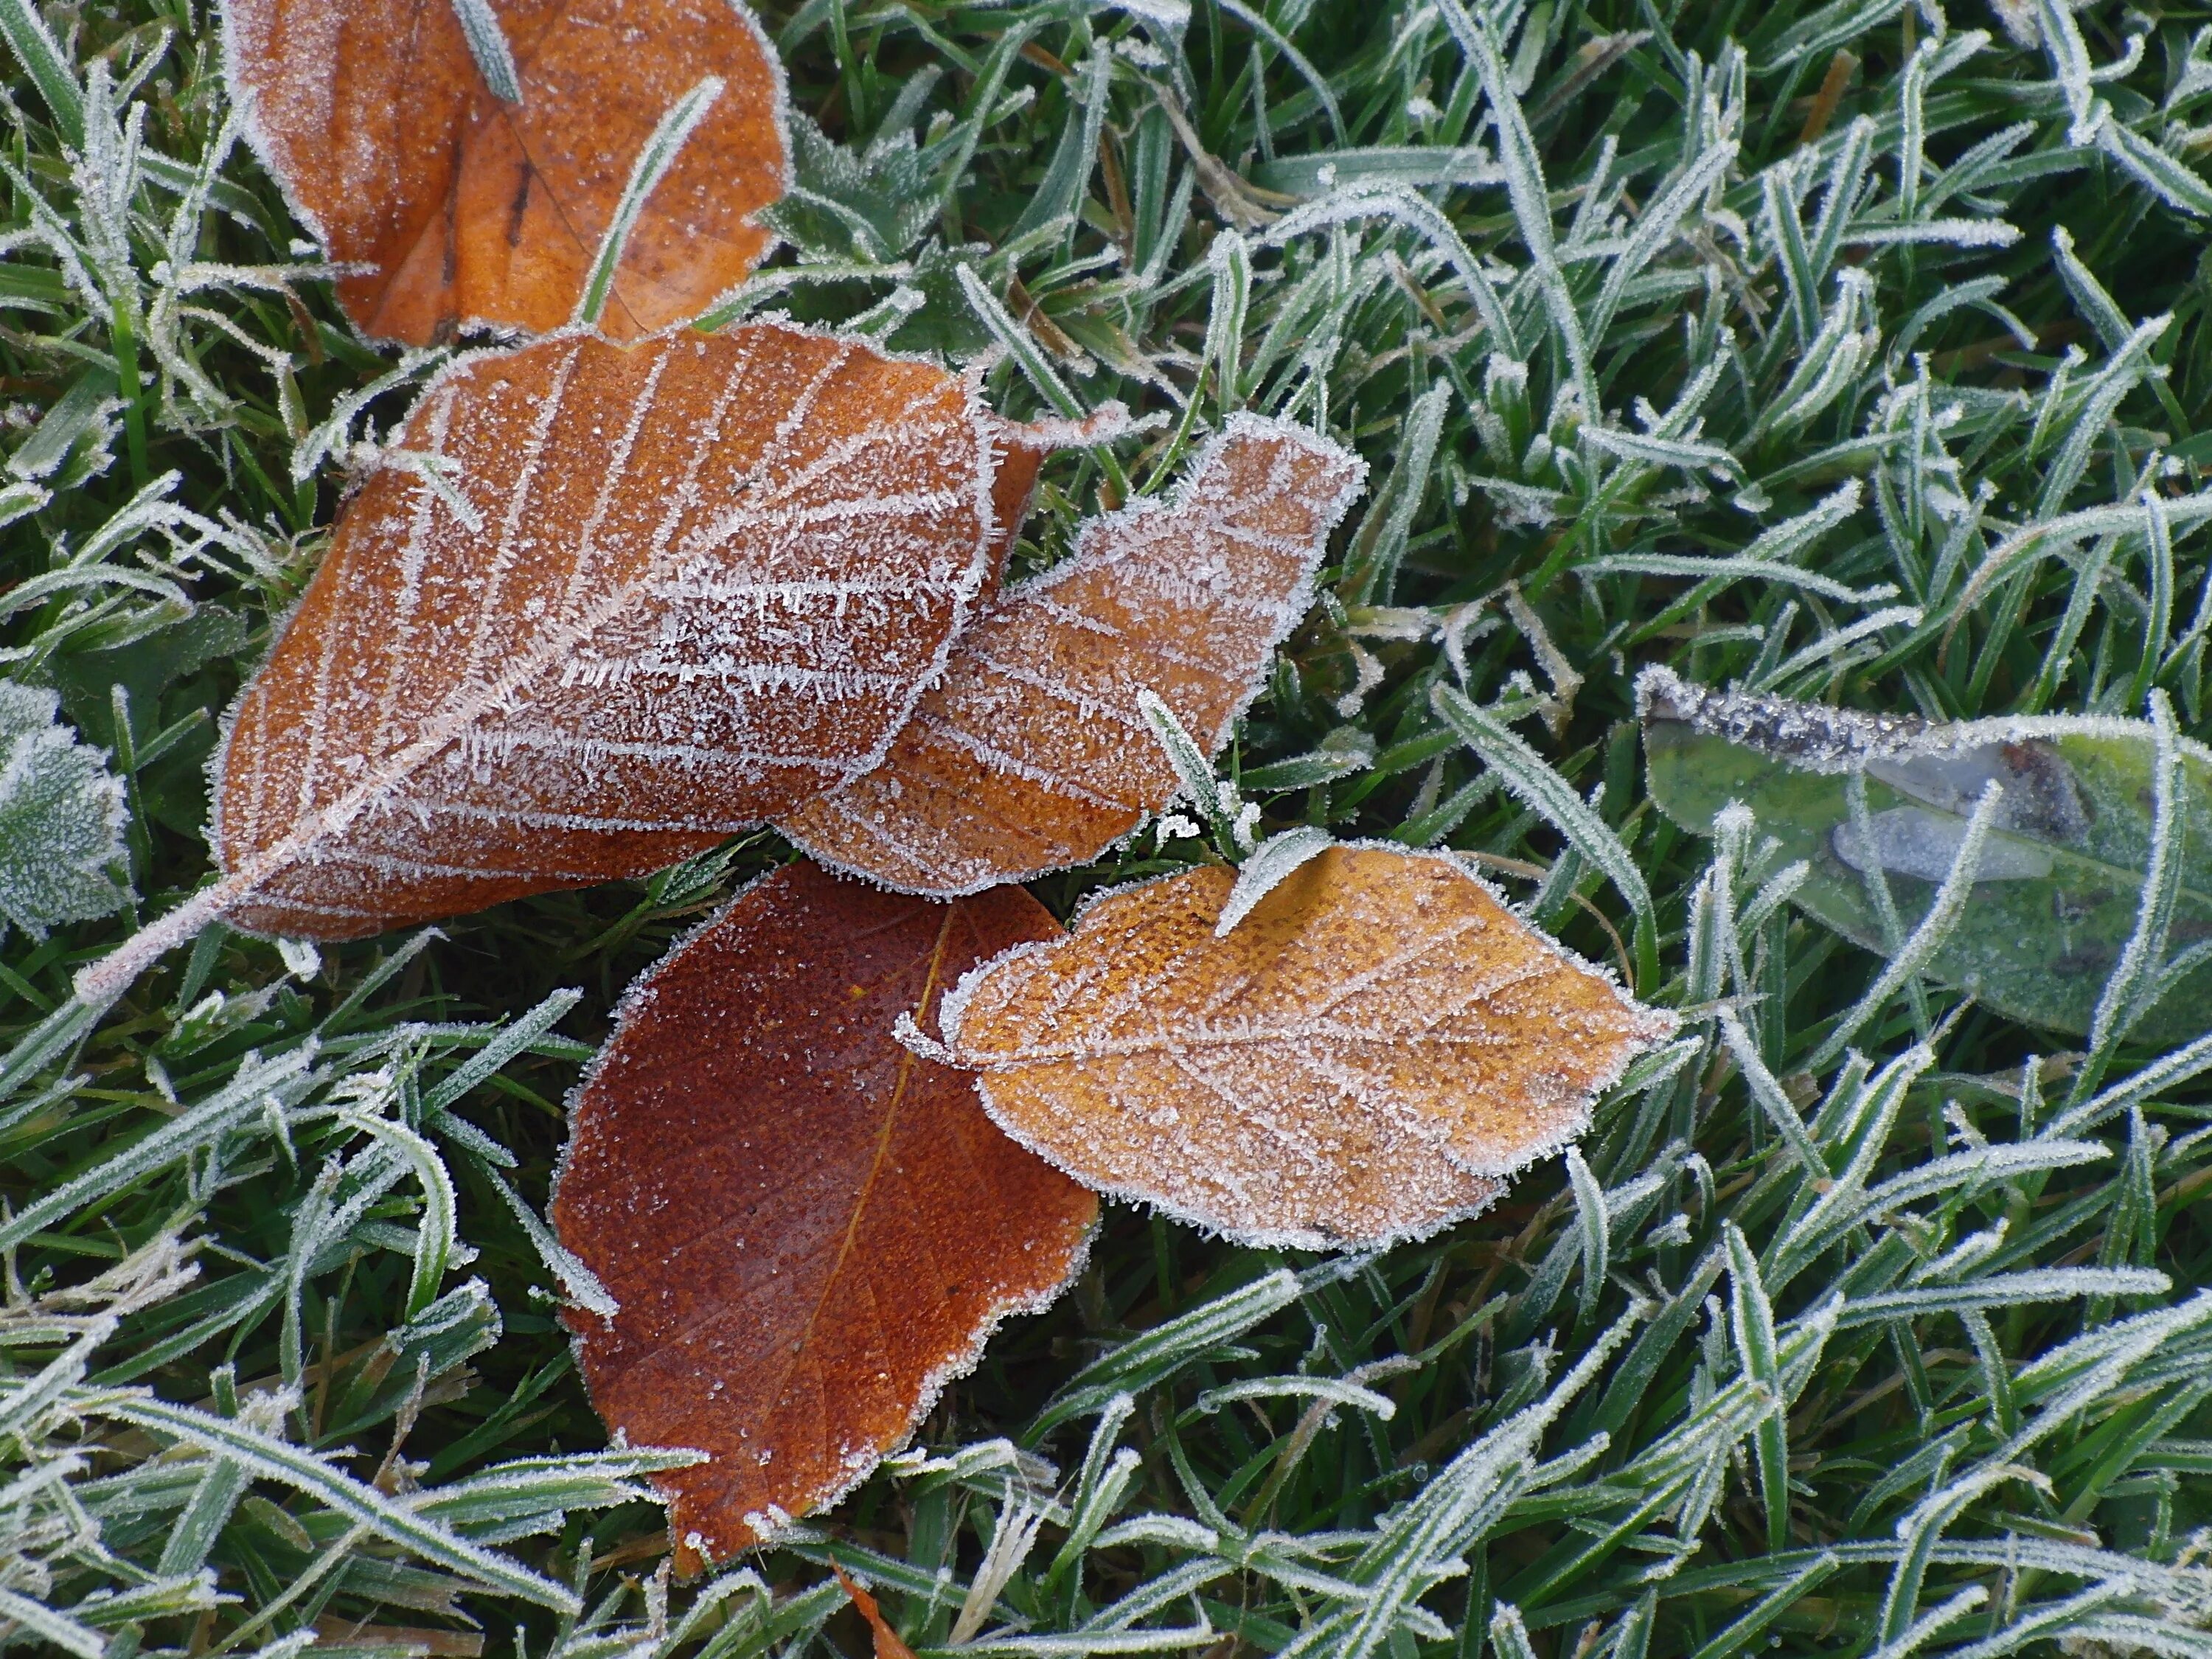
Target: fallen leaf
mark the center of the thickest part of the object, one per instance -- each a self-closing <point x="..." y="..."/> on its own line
<point x="808" y="1229"/>
<point x="1030" y="755"/>
<point x="667" y="591"/>
<point x="1359" y="1060"/>
<point x="2058" y="883"/>
<point x="461" y="207"/>
<point x="888" y="1643"/>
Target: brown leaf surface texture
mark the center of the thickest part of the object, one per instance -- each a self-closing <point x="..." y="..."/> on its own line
<point x="709" y="578"/>
<point x="809" y="1230"/>
<point x="464" y="209"/>
<point x="1031" y="754"/>
<point x="1358" y="1061"/>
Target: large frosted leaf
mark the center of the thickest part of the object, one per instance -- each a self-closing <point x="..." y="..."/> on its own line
<point x="1358" y="1060"/>
<point x="808" y="1228"/>
<point x="459" y="202"/>
<point x="2061" y="875"/>
<point x="1031" y="755"/>
<point x="61" y="817"/>
<point x="602" y="607"/>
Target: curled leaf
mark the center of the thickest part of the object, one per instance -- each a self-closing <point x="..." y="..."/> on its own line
<point x="1358" y="1061"/>
<point x="460" y="202"/>
<point x="660" y="593"/>
<point x="2060" y="876"/>
<point x="808" y="1229"/>
<point x="1031" y="755"/>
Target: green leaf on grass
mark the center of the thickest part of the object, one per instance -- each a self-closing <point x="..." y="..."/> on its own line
<point x="61" y="818"/>
<point x="2061" y="875"/>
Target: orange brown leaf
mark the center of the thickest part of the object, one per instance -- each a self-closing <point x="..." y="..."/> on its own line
<point x="888" y="1645"/>
<point x="1031" y="754"/>
<point x="463" y="209"/>
<point x="669" y="590"/>
<point x="807" y="1228"/>
<point x="1360" y="1059"/>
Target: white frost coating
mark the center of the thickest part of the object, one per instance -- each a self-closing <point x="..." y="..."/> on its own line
<point x="488" y="46"/>
<point x="1229" y="1057"/>
<point x="61" y="817"/>
<point x="860" y="1462"/>
<point x="1272" y="862"/>
<point x="704" y="634"/>
<point x="1912" y="840"/>
<point x="1058" y="728"/>
<point x="312" y="104"/>
<point x="1816" y="738"/>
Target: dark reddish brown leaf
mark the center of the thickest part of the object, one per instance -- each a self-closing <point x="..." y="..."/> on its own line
<point x="465" y="209"/>
<point x="808" y="1229"/>
<point x="1031" y="755"/>
<point x="709" y="578"/>
<point x="1360" y="1059"/>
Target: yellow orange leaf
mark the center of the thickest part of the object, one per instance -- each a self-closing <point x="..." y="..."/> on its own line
<point x="1360" y="1059"/>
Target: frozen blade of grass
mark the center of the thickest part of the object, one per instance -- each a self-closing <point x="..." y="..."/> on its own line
<point x="675" y="127"/>
<point x="1381" y="544"/>
<point x="43" y="1621"/>
<point x="1920" y="1532"/>
<point x="1943" y="913"/>
<point x="2005" y="1290"/>
<point x="1508" y="1635"/>
<point x="2178" y="185"/>
<point x="283" y="1078"/>
<point x="1080" y="1643"/>
<point x="488" y="46"/>
<point x="1193" y="769"/>
<point x="436" y="1237"/>
<point x="271" y="1459"/>
<point x="511" y="1040"/>
<point x="1535" y="783"/>
<point x="1767" y="1093"/>
<point x="1753" y="1321"/>
<point x="2095" y="305"/>
<point x="1916" y="1635"/>
<point x="2069" y="63"/>
<point x="1524" y="185"/>
<point x="581" y="1283"/>
<point x="1143" y="1361"/>
<point x="2126" y="997"/>
<point x="1272" y="862"/>
<point x="1743" y="1632"/>
<point x="41" y="56"/>
<point x="1597" y="1232"/>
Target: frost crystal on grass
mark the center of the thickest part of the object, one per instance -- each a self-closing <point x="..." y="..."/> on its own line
<point x="62" y="815"/>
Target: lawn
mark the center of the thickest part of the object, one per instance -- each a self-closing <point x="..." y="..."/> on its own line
<point x="1855" y="354"/>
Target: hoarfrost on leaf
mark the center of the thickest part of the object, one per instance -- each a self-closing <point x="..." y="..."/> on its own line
<point x="2061" y="870"/>
<point x="714" y="573"/>
<point x="61" y="817"/>
<point x="809" y="1228"/>
<point x="1359" y="1060"/>
<point x="1032" y="754"/>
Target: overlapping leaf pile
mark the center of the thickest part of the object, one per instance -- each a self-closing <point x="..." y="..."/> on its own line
<point x="604" y="605"/>
<point x="1839" y="359"/>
